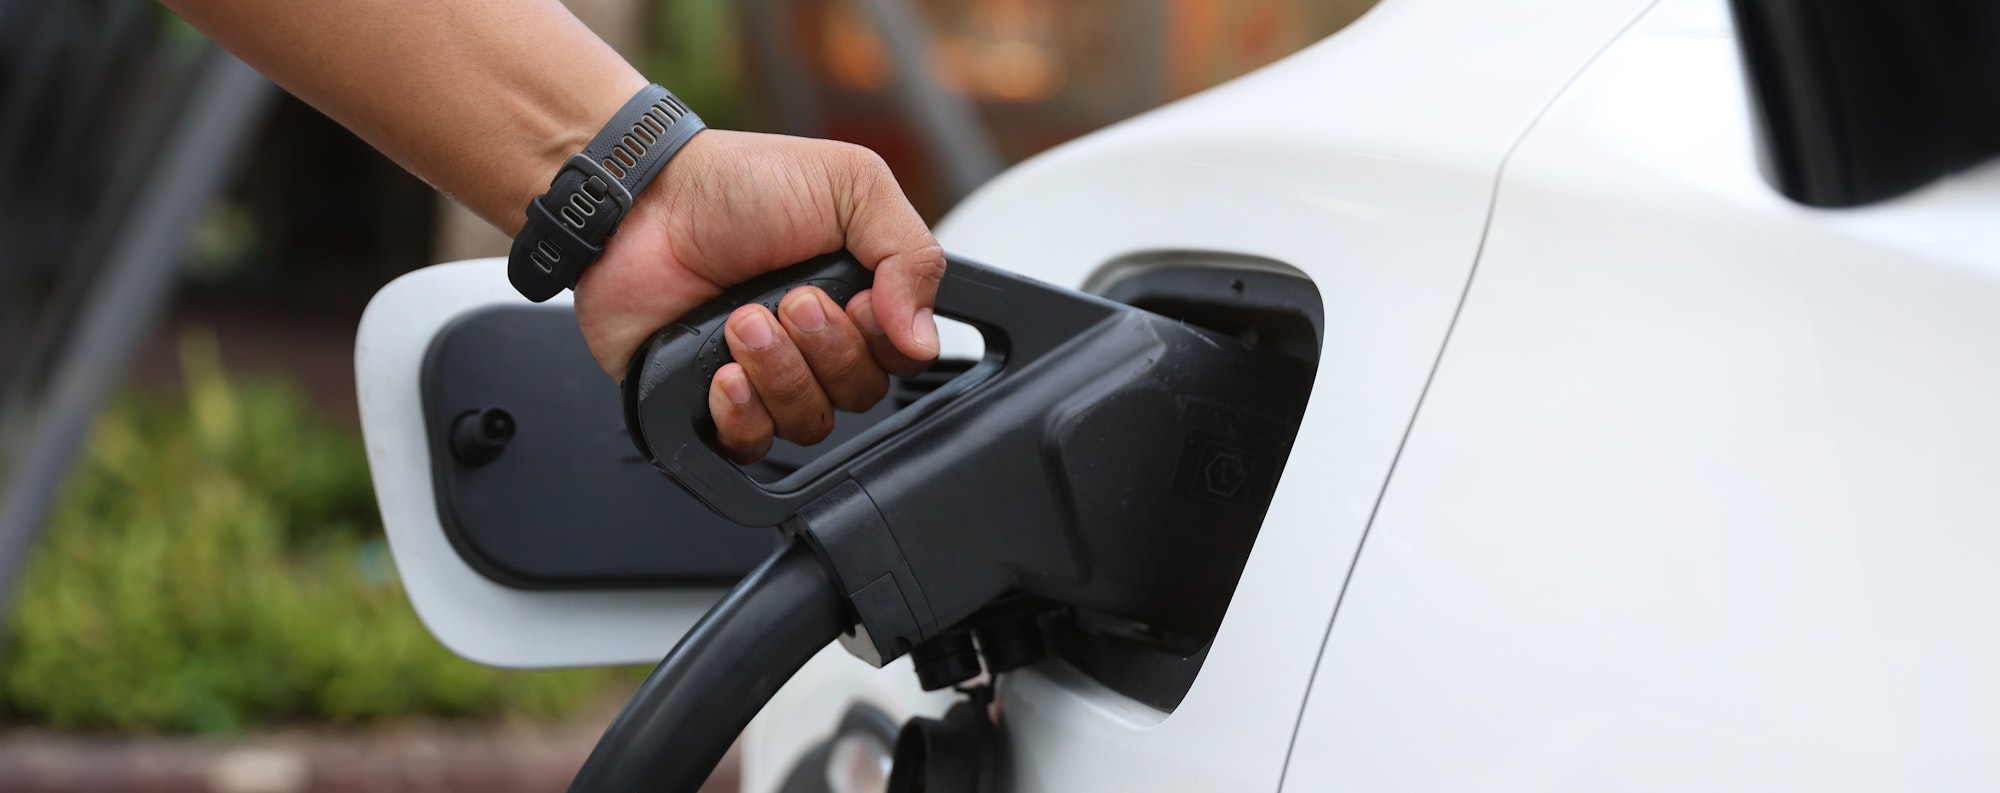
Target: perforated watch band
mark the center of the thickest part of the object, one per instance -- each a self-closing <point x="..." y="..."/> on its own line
<point x="568" y="225"/>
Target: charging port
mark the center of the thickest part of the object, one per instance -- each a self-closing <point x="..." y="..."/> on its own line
<point x="1261" y="302"/>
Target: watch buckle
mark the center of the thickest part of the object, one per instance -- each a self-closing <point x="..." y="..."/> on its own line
<point x="607" y="185"/>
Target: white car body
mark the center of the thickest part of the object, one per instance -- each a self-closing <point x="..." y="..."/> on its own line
<point x="1621" y="471"/>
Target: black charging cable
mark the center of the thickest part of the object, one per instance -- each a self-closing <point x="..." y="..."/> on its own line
<point x="675" y="730"/>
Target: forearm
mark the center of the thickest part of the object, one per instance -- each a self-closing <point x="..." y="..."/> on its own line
<point x="483" y="99"/>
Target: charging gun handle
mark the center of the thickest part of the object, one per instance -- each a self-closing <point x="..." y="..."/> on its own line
<point x="666" y="388"/>
<point x="671" y="370"/>
<point x="708" y="688"/>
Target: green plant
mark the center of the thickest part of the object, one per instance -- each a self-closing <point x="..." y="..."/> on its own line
<point x="693" y="52"/>
<point x="215" y="564"/>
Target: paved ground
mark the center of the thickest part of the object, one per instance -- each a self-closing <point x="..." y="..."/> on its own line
<point x="405" y="759"/>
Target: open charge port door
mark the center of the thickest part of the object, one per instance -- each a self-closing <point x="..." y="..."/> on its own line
<point x="1276" y="309"/>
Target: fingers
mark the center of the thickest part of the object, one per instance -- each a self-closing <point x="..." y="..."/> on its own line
<point x="834" y="349"/>
<point x="887" y="235"/>
<point x="783" y="381"/>
<point x="792" y="370"/>
<point x="861" y="310"/>
<point x="742" y="426"/>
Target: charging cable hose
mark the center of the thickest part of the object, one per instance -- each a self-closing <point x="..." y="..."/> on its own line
<point x="676" y="728"/>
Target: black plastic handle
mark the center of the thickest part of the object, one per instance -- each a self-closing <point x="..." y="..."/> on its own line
<point x="676" y="364"/>
<point x="666" y="390"/>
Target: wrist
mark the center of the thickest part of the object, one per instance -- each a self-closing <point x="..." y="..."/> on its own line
<point x="566" y="228"/>
<point x="564" y="126"/>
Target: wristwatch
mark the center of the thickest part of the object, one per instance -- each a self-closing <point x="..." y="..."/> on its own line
<point x="568" y="225"/>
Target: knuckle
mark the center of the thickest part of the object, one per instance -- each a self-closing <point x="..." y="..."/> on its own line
<point x="863" y="393"/>
<point x="811" y="428"/>
<point x="733" y="435"/>
<point x="888" y="358"/>
<point x="849" y="377"/>
<point x="788" y="385"/>
<point x="924" y="265"/>
<point x="839" y="152"/>
<point x="743" y="438"/>
<point x="927" y="263"/>
<point x="863" y="157"/>
<point x="863" y="165"/>
<point x="840" y="359"/>
<point x="748" y="452"/>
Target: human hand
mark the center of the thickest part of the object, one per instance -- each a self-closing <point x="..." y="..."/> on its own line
<point x="734" y="205"/>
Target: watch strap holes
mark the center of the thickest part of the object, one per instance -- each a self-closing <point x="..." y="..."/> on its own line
<point x="545" y="256"/>
<point x="565" y="232"/>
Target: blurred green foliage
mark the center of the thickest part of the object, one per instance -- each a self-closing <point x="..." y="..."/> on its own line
<point x="693" y="51"/>
<point x="216" y="564"/>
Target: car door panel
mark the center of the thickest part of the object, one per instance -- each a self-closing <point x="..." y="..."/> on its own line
<point x="1701" y="495"/>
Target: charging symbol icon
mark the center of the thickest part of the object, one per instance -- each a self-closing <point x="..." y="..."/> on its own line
<point x="1225" y="474"/>
<point x="1213" y="470"/>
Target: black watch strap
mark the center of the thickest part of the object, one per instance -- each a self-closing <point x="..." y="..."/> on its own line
<point x="567" y="226"/>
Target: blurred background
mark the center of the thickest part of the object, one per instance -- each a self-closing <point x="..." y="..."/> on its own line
<point x="194" y="584"/>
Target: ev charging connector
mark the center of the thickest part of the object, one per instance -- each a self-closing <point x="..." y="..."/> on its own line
<point x="1097" y="457"/>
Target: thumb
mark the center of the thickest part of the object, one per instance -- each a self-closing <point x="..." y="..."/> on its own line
<point x="885" y="233"/>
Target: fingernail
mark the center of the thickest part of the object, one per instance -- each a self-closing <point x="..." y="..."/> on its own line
<point x="806" y="314"/>
<point x="755" y="330"/>
<point x="925" y="330"/>
<point x="865" y="317"/>
<point x="737" y="388"/>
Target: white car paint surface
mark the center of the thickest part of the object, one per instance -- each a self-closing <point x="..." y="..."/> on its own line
<point x="1703" y="496"/>
<point x="1368" y="162"/>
